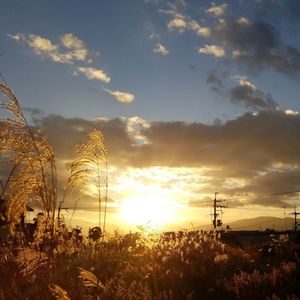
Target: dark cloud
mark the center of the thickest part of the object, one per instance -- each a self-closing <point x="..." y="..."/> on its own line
<point x="242" y="146"/>
<point x="244" y="93"/>
<point x="258" y="45"/>
<point x="250" y="142"/>
<point x="216" y="82"/>
<point x="253" y="154"/>
<point x="65" y="133"/>
<point x="289" y="10"/>
<point x="251" y="97"/>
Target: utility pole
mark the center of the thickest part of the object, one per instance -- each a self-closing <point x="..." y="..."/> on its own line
<point x="215" y="213"/>
<point x="295" y="213"/>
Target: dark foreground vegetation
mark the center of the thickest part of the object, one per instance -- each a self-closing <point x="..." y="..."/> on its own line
<point x="146" y="266"/>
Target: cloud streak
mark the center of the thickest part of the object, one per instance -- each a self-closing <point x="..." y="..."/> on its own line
<point x="160" y="49"/>
<point x="214" y="50"/>
<point x="217" y="10"/>
<point x="93" y="74"/>
<point x="121" y="97"/>
<point x="70" y="49"/>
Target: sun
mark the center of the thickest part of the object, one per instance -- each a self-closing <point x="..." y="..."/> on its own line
<point x="150" y="211"/>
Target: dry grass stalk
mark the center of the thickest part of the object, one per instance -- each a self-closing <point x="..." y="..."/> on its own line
<point x="90" y="167"/>
<point x="27" y="152"/>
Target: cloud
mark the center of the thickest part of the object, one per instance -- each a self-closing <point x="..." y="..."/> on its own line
<point x="252" y="154"/>
<point x="78" y="47"/>
<point x="201" y="31"/>
<point x="70" y="49"/>
<point x="172" y="12"/>
<point x="17" y="37"/>
<point x="182" y="22"/>
<point x="217" y="51"/>
<point x="257" y="45"/>
<point x="159" y="48"/>
<point x="291" y="112"/>
<point x="178" y="24"/>
<point x="216" y="82"/>
<point x="121" y="96"/>
<point x="243" y="81"/>
<point x="251" y="97"/>
<point x="41" y="45"/>
<point x="217" y="10"/>
<point x="134" y="127"/>
<point x="249" y="143"/>
<point x="72" y="42"/>
<point x="245" y="93"/>
<point x="289" y="10"/>
<point x="65" y="133"/>
<point x="243" y="21"/>
<point x="93" y="74"/>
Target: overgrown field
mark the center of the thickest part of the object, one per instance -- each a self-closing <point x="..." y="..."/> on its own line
<point x="146" y="266"/>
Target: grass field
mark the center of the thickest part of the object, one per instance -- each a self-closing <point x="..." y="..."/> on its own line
<point x="147" y="266"/>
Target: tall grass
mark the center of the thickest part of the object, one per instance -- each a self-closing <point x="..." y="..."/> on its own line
<point x="137" y="266"/>
<point x="26" y="152"/>
<point x="90" y="168"/>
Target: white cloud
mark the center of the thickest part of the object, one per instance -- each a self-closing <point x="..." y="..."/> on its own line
<point x="154" y="36"/>
<point x="236" y="53"/>
<point x="177" y="23"/>
<point x="45" y="48"/>
<point x="200" y="30"/>
<point x="92" y="73"/>
<point x="291" y="112"/>
<point x="217" y="10"/>
<point x="243" y="81"/>
<point x="243" y="21"/>
<point x="175" y="14"/>
<point x="121" y="96"/>
<point x="184" y="22"/>
<point x="134" y="129"/>
<point x="76" y="49"/>
<point x="217" y="51"/>
<point x="40" y="44"/>
<point x="17" y="37"/>
<point x="72" y="42"/>
<point x="159" y="48"/>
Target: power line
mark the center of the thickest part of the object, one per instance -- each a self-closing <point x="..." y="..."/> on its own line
<point x="250" y="197"/>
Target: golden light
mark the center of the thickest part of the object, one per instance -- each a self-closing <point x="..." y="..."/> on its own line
<point x="151" y="212"/>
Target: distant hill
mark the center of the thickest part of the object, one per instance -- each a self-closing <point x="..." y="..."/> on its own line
<point x="258" y="223"/>
<point x="261" y="223"/>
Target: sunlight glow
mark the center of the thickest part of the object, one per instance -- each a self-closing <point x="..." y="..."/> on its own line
<point x="151" y="212"/>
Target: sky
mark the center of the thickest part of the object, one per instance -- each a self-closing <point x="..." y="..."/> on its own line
<point x="193" y="97"/>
